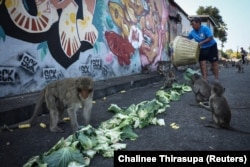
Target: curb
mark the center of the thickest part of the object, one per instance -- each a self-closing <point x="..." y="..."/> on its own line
<point x="19" y="108"/>
<point x="112" y="86"/>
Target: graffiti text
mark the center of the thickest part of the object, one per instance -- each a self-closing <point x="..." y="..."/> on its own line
<point x="29" y="63"/>
<point x="7" y="74"/>
<point x="96" y="63"/>
<point x="85" y="69"/>
<point x="49" y="74"/>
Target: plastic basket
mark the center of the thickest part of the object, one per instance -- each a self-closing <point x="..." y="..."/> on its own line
<point x="185" y="51"/>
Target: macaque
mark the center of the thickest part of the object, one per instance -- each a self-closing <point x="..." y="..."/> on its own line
<point x="70" y="94"/>
<point x="218" y="106"/>
<point x="201" y="88"/>
<point x="170" y="79"/>
<point x="146" y="69"/>
<point x="240" y="67"/>
<point x="163" y="67"/>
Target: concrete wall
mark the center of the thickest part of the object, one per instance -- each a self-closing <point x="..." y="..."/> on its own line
<point x="186" y="28"/>
<point x="46" y="40"/>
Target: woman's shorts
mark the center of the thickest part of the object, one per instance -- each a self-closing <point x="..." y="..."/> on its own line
<point x="209" y="54"/>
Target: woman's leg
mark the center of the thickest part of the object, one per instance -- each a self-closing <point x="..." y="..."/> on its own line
<point x="203" y="66"/>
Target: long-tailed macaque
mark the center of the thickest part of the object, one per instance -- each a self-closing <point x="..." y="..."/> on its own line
<point x="218" y="105"/>
<point x="169" y="79"/>
<point x="163" y="67"/>
<point x="70" y="94"/>
<point x="240" y="67"/>
<point x="201" y="88"/>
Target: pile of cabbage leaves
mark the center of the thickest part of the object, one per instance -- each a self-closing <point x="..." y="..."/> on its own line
<point x="79" y="148"/>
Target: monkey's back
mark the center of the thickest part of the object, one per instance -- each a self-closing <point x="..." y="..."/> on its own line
<point x="221" y="110"/>
<point x="202" y="88"/>
<point x="64" y="90"/>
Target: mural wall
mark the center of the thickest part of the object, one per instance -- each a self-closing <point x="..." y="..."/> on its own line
<point x="46" y="40"/>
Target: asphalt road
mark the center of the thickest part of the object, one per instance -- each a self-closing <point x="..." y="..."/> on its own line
<point x="18" y="146"/>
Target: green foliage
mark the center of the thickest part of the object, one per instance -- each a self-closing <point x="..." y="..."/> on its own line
<point x="79" y="148"/>
<point x="63" y="157"/>
<point x="115" y="108"/>
<point x="189" y="73"/>
<point x="229" y="52"/>
<point x="219" y="31"/>
<point x="224" y="54"/>
<point x="128" y="133"/>
<point x="232" y="54"/>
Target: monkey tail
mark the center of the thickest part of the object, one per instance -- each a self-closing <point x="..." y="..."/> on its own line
<point x="38" y="107"/>
<point x="35" y="114"/>
<point x="191" y="104"/>
<point x="204" y="105"/>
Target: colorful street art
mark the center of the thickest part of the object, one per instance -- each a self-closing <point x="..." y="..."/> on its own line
<point x="143" y="23"/>
<point x="67" y="33"/>
<point x="46" y="40"/>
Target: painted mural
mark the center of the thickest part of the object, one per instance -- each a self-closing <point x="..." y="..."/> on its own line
<point x="46" y="40"/>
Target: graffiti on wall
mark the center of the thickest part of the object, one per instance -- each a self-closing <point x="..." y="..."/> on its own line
<point x="7" y="74"/>
<point x="50" y="74"/>
<point x="65" y="25"/>
<point x="29" y="63"/>
<point x="101" y="39"/>
<point x="142" y="26"/>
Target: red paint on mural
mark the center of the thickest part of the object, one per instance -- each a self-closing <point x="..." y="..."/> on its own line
<point x="120" y="47"/>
